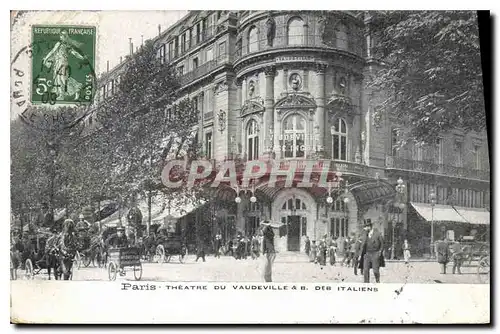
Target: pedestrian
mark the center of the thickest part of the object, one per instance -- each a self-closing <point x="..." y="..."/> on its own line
<point x="314" y="252"/>
<point x="323" y="250"/>
<point x="372" y="253"/>
<point x="268" y="250"/>
<point x="358" y="245"/>
<point x="345" y="250"/>
<point x="332" y="251"/>
<point x="307" y="245"/>
<point x="217" y="244"/>
<point x="200" y="251"/>
<point x="406" y="251"/>
<point x="457" y="257"/>
<point x="230" y="248"/>
<point x="443" y="253"/>
<point x="255" y="247"/>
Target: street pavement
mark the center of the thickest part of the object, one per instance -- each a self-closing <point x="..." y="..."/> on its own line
<point x="288" y="267"/>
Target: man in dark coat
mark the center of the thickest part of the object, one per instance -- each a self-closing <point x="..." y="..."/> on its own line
<point x="268" y="250"/>
<point x="356" y="248"/>
<point x="200" y="250"/>
<point x="119" y="239"/>
<point x="443" y="253"/>
<point x="372" y="253"/>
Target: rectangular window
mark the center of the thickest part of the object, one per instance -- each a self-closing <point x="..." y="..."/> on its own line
<point x="303" y="227"/>
<point x="162" y="52"/>
<point x="194" y="103"/>
<point x="183" y="43"/>
<point x="438" y="151"/>
<point x="195" y="63"/>
<point x="103" y="93"/>
<point x="343" y="148"/>
<point x="477" y="157"/>
<point x="458" y="154"/>
<point x="222" y="49"/>
<point x="180" y="70"/>
<point x="210" y="54"/>
<point x="417" y="152"/>
<point x="208" y="145"/>
<point x="171" y="50"/>
<point x="109" y="89"/>
<point x="394" y="142"/>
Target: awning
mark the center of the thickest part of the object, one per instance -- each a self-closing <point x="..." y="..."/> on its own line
<point x="178" y="209"/>
<point x="440" y="212"/>
<point x="478" y="216"/>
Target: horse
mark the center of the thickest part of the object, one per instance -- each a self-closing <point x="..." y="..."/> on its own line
<point x="68" y="246"/>
<point x="52" y="255"/>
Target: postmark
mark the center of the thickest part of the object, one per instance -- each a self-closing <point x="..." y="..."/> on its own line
<point x="62" y="64"/>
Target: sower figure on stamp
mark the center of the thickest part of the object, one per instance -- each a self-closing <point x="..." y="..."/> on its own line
<point x="268" y="249"/>
<point x="372" y="253"/>
<point x="443" y="253"/>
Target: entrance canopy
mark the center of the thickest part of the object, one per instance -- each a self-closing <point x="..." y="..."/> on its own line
<point x="440" y="213"/>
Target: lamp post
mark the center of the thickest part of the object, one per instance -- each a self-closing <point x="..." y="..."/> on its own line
<point x="399" y="205"/>
<point x="432" y="198"/>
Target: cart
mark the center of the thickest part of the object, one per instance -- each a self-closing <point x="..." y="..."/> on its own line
<point x="122" y="258"/>
<point x="168" y="247"/>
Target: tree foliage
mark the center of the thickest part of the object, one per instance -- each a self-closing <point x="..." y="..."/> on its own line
<point x="431" y="75"/>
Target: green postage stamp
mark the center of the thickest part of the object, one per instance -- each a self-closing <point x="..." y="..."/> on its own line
<point x="63" y="64"/>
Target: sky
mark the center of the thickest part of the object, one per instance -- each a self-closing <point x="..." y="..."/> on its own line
<point x="114" y="29"/>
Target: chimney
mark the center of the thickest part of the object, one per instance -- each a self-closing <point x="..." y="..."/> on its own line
<point x="121" y="59"/>
<point x="159" y="30"/>
<point x="131" y="46"/>
<point x="107" y="66"/>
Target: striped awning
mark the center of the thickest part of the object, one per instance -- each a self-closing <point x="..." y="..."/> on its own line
<point x="477" y="216"/>
<point x="438" y="213"/>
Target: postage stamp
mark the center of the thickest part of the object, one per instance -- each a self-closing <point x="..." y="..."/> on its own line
<point x="62" y="63"/>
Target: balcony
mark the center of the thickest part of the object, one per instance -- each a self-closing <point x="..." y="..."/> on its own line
<point x="198" y="72"/>
<point x="304" y="40"/>
<point x="431" y="167"/>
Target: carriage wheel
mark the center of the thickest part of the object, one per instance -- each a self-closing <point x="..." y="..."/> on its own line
<point x="483" y="270"/>
<point x="13" y="267"/>
<point x="138" y="272"/>
<point x="28" y="270"/>
<point x="77" y="260"/>
<point x="112" y="271"/>
<point x="160" y="254"/>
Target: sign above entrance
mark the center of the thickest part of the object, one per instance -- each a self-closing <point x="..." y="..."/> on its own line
<point x="287" y="59"/>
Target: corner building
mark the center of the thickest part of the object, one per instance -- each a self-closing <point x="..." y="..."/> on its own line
<point x="288" y="85"/>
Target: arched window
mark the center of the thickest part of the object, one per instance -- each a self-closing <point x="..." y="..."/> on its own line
<point x="294" y="137"/>
<point x="253" y="40"/>
<point x="253" y="140"/>
<point x="341" y="36"/>
<point x="294" y="204"/>
<point x="339" y="140"/>
<point x="296" y="31"/>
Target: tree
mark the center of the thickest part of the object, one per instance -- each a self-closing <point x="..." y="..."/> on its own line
<point x="430" y="75"/>
<point x="141" y="123"/>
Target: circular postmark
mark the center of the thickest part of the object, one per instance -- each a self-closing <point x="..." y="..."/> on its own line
<point x="53" y="81"/>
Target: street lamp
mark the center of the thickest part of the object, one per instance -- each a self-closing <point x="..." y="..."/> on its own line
<point x="338" y="179"/>
<point x="399" y="204"/>
<point x="237" y="189"/>
<point x="432" y="198"/>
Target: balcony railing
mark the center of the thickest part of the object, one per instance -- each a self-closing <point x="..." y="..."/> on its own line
<point x="431" y="167"/>
<point x="304" y="40"/>
<point x="204" y="69"/>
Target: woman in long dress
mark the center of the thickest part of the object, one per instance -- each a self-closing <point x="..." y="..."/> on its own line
<point x="64" y="85"/>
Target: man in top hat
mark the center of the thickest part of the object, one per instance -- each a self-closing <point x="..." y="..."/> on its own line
<point x="268" y="249"/>
<point x="372" y="252"/>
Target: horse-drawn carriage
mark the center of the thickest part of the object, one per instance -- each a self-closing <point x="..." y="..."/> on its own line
<point x="476" y="253"/>
<point x="39" y="251"/>
<point x="169" y="244"/>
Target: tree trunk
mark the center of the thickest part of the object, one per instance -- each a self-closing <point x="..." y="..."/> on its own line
<point x="148" y="225"/>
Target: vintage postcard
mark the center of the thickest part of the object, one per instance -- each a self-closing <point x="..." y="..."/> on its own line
<point x="205" y="163"/>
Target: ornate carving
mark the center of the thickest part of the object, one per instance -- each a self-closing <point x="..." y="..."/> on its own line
<point x="251" y="107"/>
<point x="271" y="30"/>
<point x="251" y="88"/>
<point x="221" y="87"/>
<point x="221" y="117"/>
<point x="320" y="68"/>
<point x="341" y="103"/>
<point x="378" y="115"/>
<point x="295" y="81"/>
<point x="239" y="44"/>
<point x="270" y="71"/>
<point x="321" y="27"/>
<point x="295" y="101"/>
